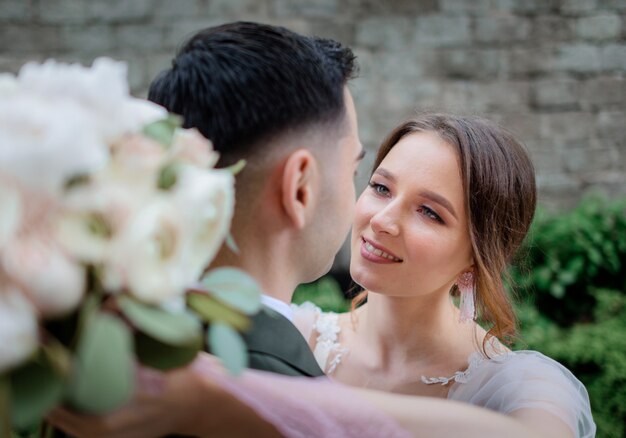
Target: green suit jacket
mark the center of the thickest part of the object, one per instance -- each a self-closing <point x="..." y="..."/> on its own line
<point x="276" y="345"/>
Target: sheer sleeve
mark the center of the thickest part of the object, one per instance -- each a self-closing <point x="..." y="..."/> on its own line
<point x="312" y="407"/>
<point x="321" y="330"/>
<point x="527" y="380"/>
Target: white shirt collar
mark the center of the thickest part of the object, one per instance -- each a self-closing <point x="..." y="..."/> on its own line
<point x="278" y="306"/>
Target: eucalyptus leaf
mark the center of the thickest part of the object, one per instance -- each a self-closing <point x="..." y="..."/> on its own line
<point x="156" y="354"/>
<point x="212" y="310"/>
<point x="104" y="374"/>
<point x="177" y="329"/>
<point x="227" y="344"/>
<point x="163" y="130"/>
<point x="168" y="176"/>
<point x="235" y="288"/>
<point x="35" y="389"/>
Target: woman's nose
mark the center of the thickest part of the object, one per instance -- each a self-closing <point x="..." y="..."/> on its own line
<point x="385" y="221"/>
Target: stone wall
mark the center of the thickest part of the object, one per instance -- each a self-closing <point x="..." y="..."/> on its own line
<point x="552" y="71"/>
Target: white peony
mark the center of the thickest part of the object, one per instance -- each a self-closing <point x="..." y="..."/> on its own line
<point x="18" y="326"/>
<point x="54" y="282"/>
<point x="41" y="148"/>
<point x="172" y="240"/>
<point x="150" y="256"/>
<point x="188" y="145"/>
<point x="95" y="212"/>
<point x="208" y="199"/>
<point x="101" y="90"/>
<point x="57" y="120"/>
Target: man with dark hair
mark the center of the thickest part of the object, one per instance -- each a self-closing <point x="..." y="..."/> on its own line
<point x="278" y="100"/>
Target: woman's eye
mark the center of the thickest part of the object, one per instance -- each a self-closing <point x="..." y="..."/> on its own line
<point x="430" y="213"/>
<point x="379" y="189"/>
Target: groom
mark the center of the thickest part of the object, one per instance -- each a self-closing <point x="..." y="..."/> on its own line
<point x="278" y="100"/>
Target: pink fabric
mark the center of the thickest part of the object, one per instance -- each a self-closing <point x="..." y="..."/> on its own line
<point x="305" y="407"/>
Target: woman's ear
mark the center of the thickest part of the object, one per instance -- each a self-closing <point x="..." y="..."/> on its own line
<point x="299" y="184"/>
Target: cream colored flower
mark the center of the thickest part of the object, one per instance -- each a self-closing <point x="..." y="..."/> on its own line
<point x="54" y="282"/>
<point x="170" y="242"/>
<point x="149" y="257"/>
<point x="18" y="326"/>
<point x="100" y="90"/>
<point x="38" y="146"/>
<point x="207" y="197"/>
<point x="188" y="145"/>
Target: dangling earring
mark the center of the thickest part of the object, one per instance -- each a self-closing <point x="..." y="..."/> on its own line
<point x="465" y="283"/>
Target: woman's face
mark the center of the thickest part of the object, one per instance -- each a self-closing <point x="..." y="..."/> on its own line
<point x="410" y="235"/>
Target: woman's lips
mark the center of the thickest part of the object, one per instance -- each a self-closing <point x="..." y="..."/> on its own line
<point x="374" y="253"/>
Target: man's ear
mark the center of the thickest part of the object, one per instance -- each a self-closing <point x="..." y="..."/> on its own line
<point x="299" y="182"/>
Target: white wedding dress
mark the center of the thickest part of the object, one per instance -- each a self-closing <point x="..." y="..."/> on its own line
<point x="504" y="383"/>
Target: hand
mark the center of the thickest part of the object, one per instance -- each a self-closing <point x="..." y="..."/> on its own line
<point x="182" y="401"/>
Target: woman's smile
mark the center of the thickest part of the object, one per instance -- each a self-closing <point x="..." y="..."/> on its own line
<point x="375" y="253"/>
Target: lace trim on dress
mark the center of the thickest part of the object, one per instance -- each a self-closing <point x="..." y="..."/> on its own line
<point x="475" y="360"/>
<point x="327" y="345"/>
<point x="328" y="351"/>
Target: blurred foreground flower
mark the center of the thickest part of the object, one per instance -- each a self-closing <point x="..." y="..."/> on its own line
<point x="109" y="212"/>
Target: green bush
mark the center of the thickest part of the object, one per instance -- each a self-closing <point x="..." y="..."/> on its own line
<point x="566" y="256"/>
<point x="573" y="288"/>
<point x="594" y="352"/>
<point x="325" y="293"/>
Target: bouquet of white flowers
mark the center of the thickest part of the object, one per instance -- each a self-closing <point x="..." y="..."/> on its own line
<point x="109" y="213"/>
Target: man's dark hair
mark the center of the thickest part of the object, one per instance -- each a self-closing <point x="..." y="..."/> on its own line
<point x="242" y="83"/>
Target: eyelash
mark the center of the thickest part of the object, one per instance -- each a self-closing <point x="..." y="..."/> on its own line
<point x="423" y="209"/>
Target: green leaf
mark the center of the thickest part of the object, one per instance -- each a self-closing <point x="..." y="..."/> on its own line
<point x="228" y="345"/>
<point x="168" y="176"/>
<point x="163" y="130"/>
<point x="156" y="354"/>
<point x="104" y="373"/>
<point x="5" y="401"/>
<point x="212" y="310"/>
<point x="35" y="388"/>
<point x="237" y="167"/>
<point x="235" y="288"/>
<point x="557" y="290"/>
<point x="177" y="329"/>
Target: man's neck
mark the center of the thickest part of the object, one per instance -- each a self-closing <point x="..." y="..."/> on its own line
<point x="271" y="274"/>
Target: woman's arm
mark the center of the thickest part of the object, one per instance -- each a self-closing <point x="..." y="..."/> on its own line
<point x="202" y="401"/>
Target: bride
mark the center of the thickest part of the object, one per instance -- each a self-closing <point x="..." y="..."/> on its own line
<point x="448" y="204"/>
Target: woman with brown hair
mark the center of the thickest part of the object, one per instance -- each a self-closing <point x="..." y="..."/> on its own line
<point x="449" y="202"/>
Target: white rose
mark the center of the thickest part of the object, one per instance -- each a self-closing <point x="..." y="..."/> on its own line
<point x="41" y="148"/>
<point x="18" y="326"/>
<point x="169" y="243"/>
<point x="190" y="146"/>
<point x="54" y="282"/>
<point x="150" y="255"/>
<point x="207" y="198"/>
<point x="94" y="213"/>
<point x="101" y="90"/>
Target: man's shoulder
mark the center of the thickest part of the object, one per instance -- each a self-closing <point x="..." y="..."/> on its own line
<point x="275" y="344"/>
